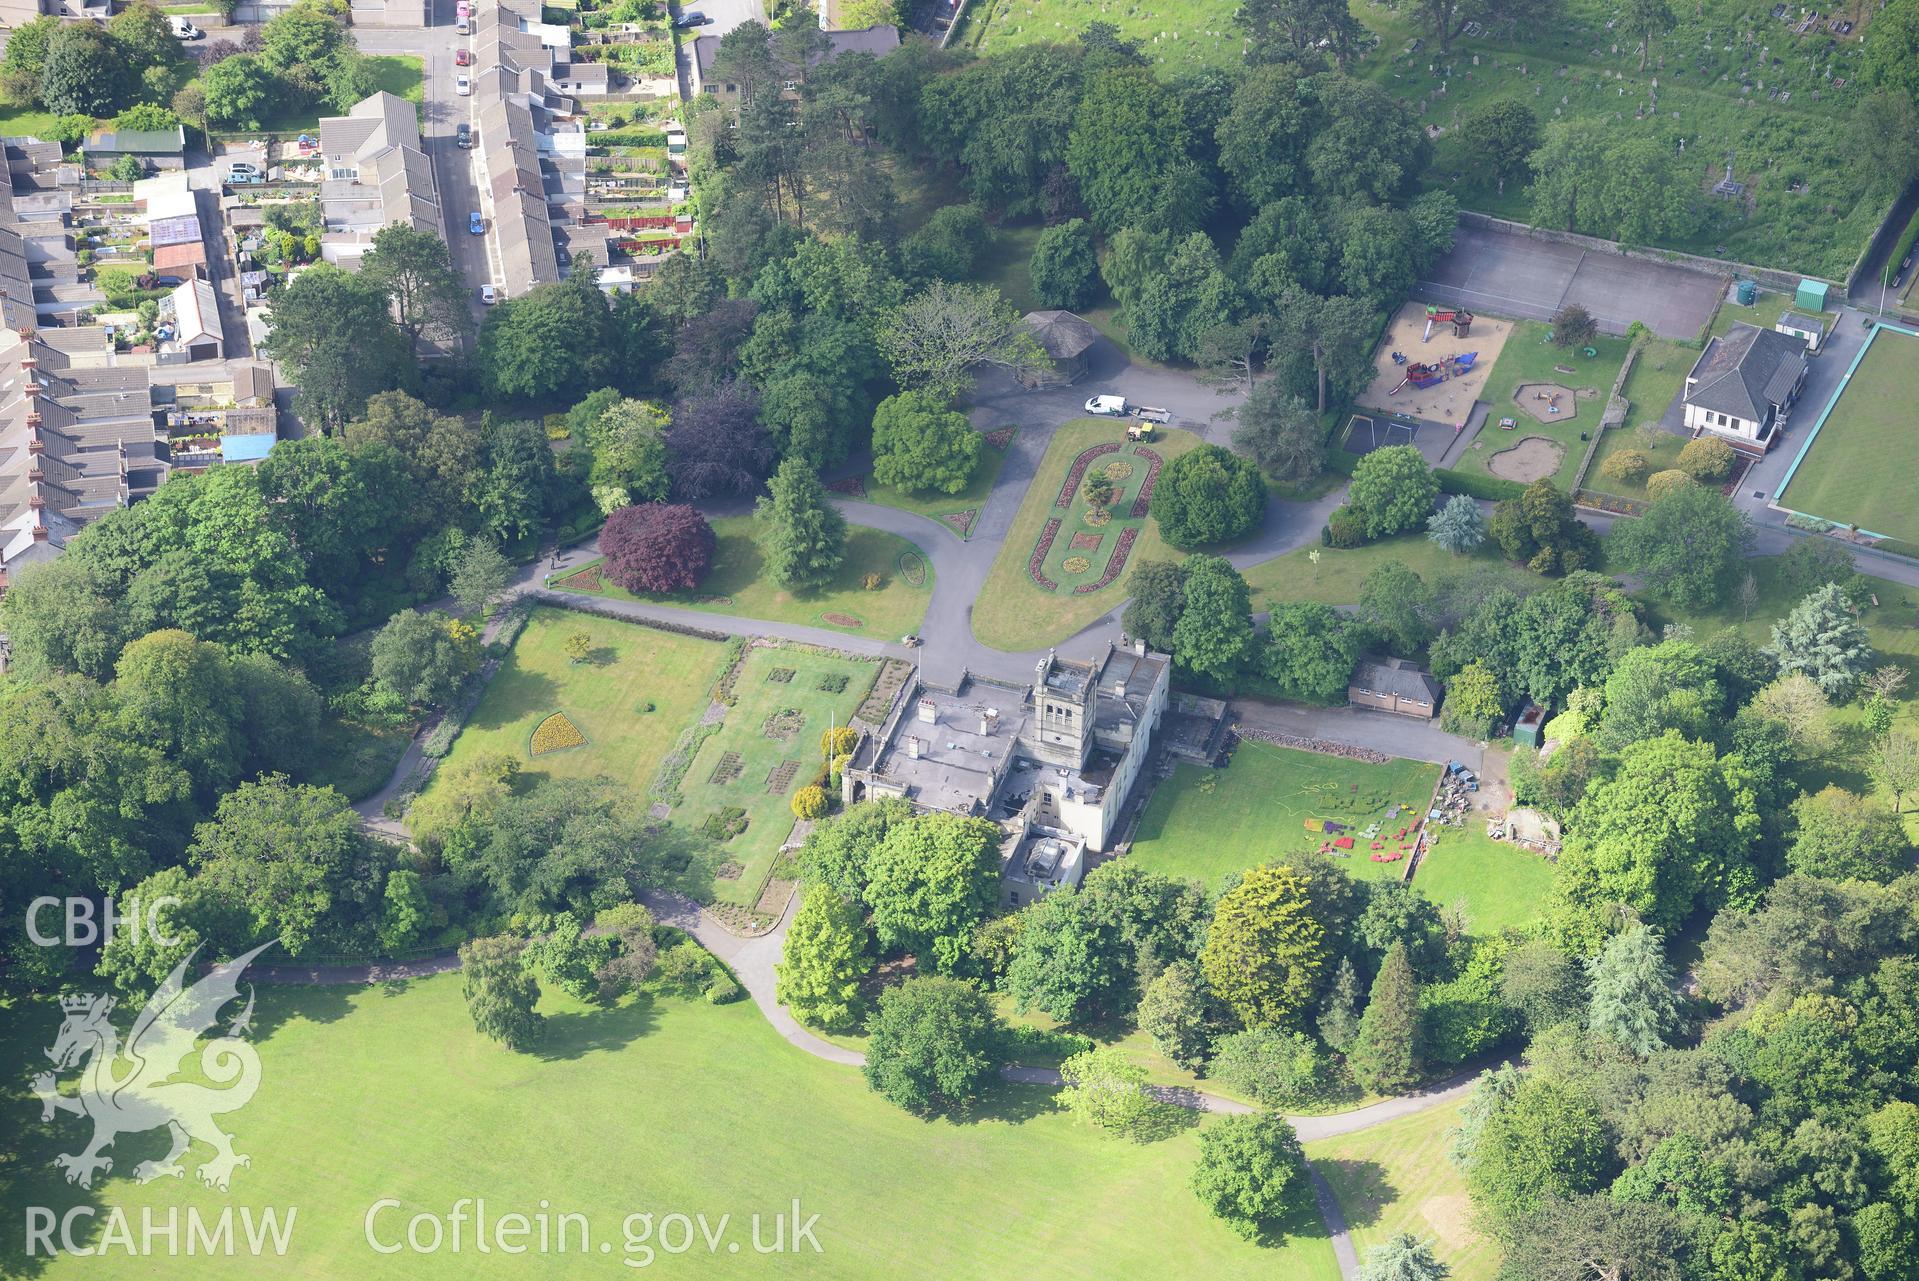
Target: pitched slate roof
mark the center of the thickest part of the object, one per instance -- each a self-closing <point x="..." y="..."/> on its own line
<point x="75" y="443"/>
<point x="1397" y="677"/>
<point x="1746" y="371"/>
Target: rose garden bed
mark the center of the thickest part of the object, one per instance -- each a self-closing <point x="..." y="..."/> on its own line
<point x="1134" y="497"/>
<point x="1032" y="597"/>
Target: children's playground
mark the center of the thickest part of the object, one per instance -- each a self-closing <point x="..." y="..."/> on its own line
<point x="1433" y="363"/>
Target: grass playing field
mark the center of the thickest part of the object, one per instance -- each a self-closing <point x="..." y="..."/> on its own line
<point x="1858" y="469"/>
<point x="1204" y="824"/>
<point x="767" y="749"/>
<point x="628" y="667"/>
<point x="737" y="584"/>
<point x="657" y="1106"/>
<point x="1016" y="613"/>
<point x="1396" y="1178"/>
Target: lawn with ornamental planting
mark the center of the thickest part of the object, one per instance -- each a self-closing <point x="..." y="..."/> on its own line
<point x="737" y="584"/>
<point x="1043" y="588"/>
<point x="1204" y="824"/>
<point x="632" y="695"/>
<point x="767" y="748"/>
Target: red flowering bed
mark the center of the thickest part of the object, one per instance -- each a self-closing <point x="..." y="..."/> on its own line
<point x="961" y="521"/>
<point x="1078" y="471"/>
<point x="1035" y="566"/>
<point x="852" y="485"/>
<point x="1001" y="438"/>
<point x="1144" y="499"/>
<point x="1084" y="542"/>
<point x="1113" y="566"/>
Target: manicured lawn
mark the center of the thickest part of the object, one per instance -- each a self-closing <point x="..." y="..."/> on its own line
<point x="1858" y="470"/>
<point x="628" y="667"/>
<point x="657" y="1106"/>
<point x="767" y="749"/>
<point x="737" y="585"/>
<point x="1529" y="358"/>
<point x="1335" y="578"/>
<point x="1015" y="612"/>
<point x="1819" y="228"/>
<point x="949" y="511"/>
<point x="22" y="122"/>
<point x="1204" y="824"/>
<point x="1396" y="1178"/>
<point x="1500" y="885"/>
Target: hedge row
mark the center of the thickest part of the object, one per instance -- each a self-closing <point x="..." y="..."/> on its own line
<point x="1474" y="485"/>
<point x="628" y="138"/>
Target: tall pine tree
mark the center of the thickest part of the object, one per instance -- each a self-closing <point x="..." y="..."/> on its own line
<point x="802" y="535"/>
<point x="1633" y="1001"/>
<point x="1339" y="1015"/>
<point x="1385" y="1058"/>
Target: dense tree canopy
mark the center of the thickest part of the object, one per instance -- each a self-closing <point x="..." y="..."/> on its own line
<point x="1206" y="496"/>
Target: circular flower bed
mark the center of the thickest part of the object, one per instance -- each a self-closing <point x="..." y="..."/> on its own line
<point x="841" y="620"/>
<point x="1097" y="516"/>
<point x="1076" y="564"/>
<point x="1117" y="471"/>
<point x="556" y="733"/>
<point x="912" y="568"/>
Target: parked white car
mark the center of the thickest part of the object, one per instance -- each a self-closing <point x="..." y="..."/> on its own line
<point x="489" y="295"/>
<point x="463" y="84"/>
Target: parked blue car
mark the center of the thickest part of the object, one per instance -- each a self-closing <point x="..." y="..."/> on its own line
<point x="475" y="223"/>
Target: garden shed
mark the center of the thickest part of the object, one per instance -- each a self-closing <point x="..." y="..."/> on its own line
<point x="1067" y="341"/>
<point x="1811" y="295"/>
<point x="1810" y="328"/>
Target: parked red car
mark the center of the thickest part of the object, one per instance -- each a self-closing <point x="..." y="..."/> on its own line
<point x="463" y="57"/>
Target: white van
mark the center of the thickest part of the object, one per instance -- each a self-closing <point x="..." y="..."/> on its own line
<point x="182" y="29"/>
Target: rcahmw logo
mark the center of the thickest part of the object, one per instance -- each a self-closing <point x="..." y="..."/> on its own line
<point x="142" y="1095"/>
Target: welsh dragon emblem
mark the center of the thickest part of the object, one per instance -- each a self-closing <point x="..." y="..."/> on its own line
<point x="126" y="1091"/>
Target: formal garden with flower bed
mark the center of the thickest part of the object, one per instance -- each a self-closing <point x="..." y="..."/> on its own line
<point x="1065" y="559"/>
<point x="766" y="747"/>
